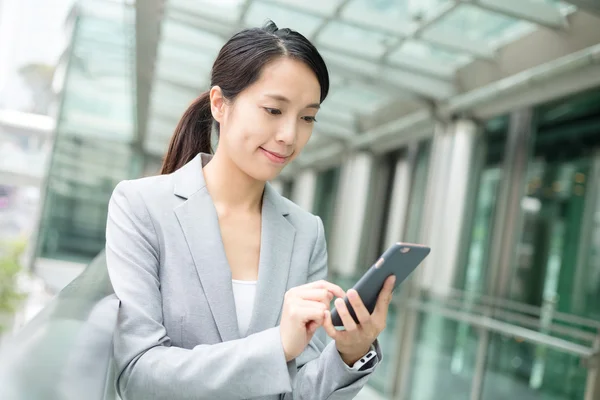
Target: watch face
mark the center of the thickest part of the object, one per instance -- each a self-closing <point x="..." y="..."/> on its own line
<point x="366" y="361"/>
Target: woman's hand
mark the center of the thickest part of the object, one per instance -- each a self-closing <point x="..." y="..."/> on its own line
<point x="303" y="312"/>
<point x="356" y="340"/>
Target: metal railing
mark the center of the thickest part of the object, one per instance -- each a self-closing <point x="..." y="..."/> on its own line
<point x="522" y="322"/>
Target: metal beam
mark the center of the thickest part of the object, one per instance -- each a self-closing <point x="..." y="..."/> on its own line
<point x="244" y="11"/>
<point x="225" y="30"/>
<point x="428" y="70"/>
<point x="590" y="6"/>
<point x="330" y="114"/>
<point x="526" y="80"/>
<point x="333" y="130"/>
<point x="335" y="15"/>
<point x="569" y="67"/>
<point x="457" y="42"/>
<point x="353" y="23"/>
<point x="417" y="83"/>
<point x="477" y="52"/>
<point x="540" y="13"/>
<point x="440" y="13"/>
<point x="401" y="81"/>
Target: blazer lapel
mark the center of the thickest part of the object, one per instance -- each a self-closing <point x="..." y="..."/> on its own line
<point x="200" y="224"/>
<point x="277" y="243"/>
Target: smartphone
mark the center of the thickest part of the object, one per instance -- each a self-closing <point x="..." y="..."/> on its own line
<point x="401" y="259"/>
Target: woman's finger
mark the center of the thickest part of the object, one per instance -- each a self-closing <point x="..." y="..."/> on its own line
<point x="328" y="325"/>
<point x="321" y="295"/>
<point x="363" y="315"/>
<point x="345" y="316"/>
<point x="306" y="310"/>
<point x="385" y="298"/>
<point x="322" y="284"/>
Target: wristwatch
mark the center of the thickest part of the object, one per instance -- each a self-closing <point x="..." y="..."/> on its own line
<point x="366" y="361"/>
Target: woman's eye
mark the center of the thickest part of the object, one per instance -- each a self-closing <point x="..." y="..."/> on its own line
<point x="273" y="111"/>
<point x="310" y="120"/>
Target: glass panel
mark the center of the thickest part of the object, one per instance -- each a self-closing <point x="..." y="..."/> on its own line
<point x="325" y="195"/>
<point x="288" y="188"/>
<point x="101" y="96"/>
<point x="92" y="150"/>
<point x="399" y="16"/>
<point x="382" y="380"/>
<point x="350" y="38"/>
<point x="194" y="59"/>
<point x="545" y="271"/>
<point x="564" y="6"/>
<point x="349" y="63"/>
<point x="472" y="278"/>
<point x="306" y="24"/>
<point x="381" y="187"/>
<point x="516" y="370"/>
<point x="324" y="8"/>
<point x="182" y="34"/>
<point x="81" y="180"/>
<point x="420" y="52"/>
<point x="588" y="299"/>
<point x="442" y="363"/>
<point x="477" y="24"/>
<point x="225" y="10"/>
<point x="358" y="98"/>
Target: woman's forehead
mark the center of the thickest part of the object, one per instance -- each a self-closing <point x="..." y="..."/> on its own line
<point x="289" y="78"/>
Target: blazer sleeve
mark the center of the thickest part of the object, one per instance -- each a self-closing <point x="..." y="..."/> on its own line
<point x="321" y="372"/>
<point x="147" y="366"/>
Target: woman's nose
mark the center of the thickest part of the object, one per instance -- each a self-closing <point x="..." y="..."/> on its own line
<point x="287" y="134"/>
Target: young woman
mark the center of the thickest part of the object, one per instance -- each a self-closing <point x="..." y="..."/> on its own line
<point x="220" y="279"/>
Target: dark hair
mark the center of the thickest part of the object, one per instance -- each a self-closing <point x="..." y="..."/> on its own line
<point x="237" y="66"/>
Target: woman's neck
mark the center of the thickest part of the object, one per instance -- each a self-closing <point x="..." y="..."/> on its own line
<point x="231" y="187"/>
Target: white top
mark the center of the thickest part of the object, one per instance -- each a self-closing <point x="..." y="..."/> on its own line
<point x="244" y="293"/>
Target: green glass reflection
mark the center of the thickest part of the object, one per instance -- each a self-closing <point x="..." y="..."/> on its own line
<point x="325" y="196"/>
<point x="437" y="372"/>
<point x="513" y="372"/>
<point x="586" y="299"/>
<point x="549" y="263"/>
<point x="93" y="148"/>
<point x="478" y="24"/>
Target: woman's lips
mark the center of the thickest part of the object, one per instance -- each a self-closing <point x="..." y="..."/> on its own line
<point x="275" y="157"/>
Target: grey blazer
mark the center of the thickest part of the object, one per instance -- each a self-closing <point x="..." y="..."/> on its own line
<point x="177" y="335"/>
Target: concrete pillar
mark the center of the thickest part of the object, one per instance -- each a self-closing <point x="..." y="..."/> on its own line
<point x="400" y="200"/>
<point x="453" y="173"/>
<point x="452" y="167"/>
<point x="349" y="218"/>
<point x="303" y="193"/>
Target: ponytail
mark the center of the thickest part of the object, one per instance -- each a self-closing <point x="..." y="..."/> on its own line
<point x="192" y="135"/>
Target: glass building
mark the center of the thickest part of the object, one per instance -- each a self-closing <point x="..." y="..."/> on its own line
<point x="469" y="126"/>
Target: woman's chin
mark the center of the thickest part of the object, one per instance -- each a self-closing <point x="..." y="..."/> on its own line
<point x="263" y="172"/>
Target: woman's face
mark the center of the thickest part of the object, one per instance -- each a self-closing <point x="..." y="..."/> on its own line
<point x="269" y="122"/>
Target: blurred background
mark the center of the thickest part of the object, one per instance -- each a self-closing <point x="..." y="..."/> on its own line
<point x="472" y="126"/>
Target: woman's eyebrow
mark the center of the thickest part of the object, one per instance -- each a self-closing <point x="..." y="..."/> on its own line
<point x="286" y="100"/>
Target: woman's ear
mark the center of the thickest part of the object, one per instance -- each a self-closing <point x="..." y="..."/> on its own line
<point x="217" y="103"/>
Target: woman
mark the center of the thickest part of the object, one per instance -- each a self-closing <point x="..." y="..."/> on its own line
<point x="220" y="278"/>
